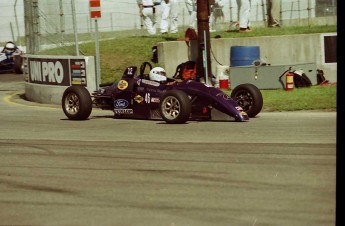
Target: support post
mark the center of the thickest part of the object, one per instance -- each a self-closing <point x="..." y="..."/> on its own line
<point x="203" y="13"/>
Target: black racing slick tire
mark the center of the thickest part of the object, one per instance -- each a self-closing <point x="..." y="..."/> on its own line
<point x="175" y="107"/>
<point x="76" y="103"/>
<point x="18" y="64"/>
<point x="249" y="97"/>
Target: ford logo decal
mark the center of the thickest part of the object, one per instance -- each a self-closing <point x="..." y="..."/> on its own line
<point x="121" y="103"/>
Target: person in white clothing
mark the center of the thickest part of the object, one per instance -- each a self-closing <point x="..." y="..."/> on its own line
<point x="245" y="15"/>
<point x="147" y="12"/>
<point x="170" y="12"/>
<point x="191" y="7"/>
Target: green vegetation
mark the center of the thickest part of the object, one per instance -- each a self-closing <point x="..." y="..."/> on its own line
<point x="310" y="98"/>
<point x="121" y="49"/>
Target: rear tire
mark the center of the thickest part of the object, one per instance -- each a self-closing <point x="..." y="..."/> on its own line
<point x="175" y="107"/>
<point x="18" y="64"/>
<point x="76" y="103"/>
<point x="249" y="97"/>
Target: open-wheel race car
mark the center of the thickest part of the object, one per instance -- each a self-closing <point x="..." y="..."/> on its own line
<point x="11" y="59"/>
<point x="138" y="97"/>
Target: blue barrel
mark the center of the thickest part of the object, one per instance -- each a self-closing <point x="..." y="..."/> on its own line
<point x="244" y="55"/>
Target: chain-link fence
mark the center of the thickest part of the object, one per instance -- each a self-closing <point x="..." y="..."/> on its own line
<point x="56" y="22"/>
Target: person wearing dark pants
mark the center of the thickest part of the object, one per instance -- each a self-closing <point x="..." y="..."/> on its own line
<point x="273" y="13"/>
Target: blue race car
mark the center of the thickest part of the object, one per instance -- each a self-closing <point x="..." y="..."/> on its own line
<point x="11" y="59"/>
<point x="174" y="101"/>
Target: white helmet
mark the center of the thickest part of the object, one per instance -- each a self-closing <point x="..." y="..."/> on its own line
<point x="158" y="74"/>
<point x="10" y="46"/>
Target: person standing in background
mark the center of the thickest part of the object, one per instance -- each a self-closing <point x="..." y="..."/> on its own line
<point x="216" y="13"/>
<point x="244" y="12"/>
<point x="191" y="7"/>
<point x="273" y="13"/>
<point x="170" y="12"/>
<point x="147" y="12"/>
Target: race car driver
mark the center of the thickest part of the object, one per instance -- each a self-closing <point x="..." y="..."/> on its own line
<point x="10" y="47"/>
<point x="8" y="51"/>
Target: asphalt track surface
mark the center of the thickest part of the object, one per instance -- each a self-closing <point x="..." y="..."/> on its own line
<point x="277" y="169"/>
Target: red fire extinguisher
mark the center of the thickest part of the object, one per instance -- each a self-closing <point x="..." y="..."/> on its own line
<point x="289" y="84"/>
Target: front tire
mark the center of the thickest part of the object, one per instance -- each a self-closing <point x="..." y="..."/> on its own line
<point x="175" y="107"/>
<point x="249" y="97"/>
<point x="76" y="103"/>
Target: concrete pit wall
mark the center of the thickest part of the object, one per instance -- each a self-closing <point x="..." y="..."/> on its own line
<point x="47" y="77"/>
<point x="275" y="50"/>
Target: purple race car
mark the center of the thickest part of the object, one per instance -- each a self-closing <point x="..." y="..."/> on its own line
<point x="137" y="97"/>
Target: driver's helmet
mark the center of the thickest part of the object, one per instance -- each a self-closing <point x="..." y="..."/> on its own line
<point x="10" y="47"/>
<point x="158" y="74"/>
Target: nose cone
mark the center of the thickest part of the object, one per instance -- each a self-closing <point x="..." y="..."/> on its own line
<point x="241" y="116"/>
